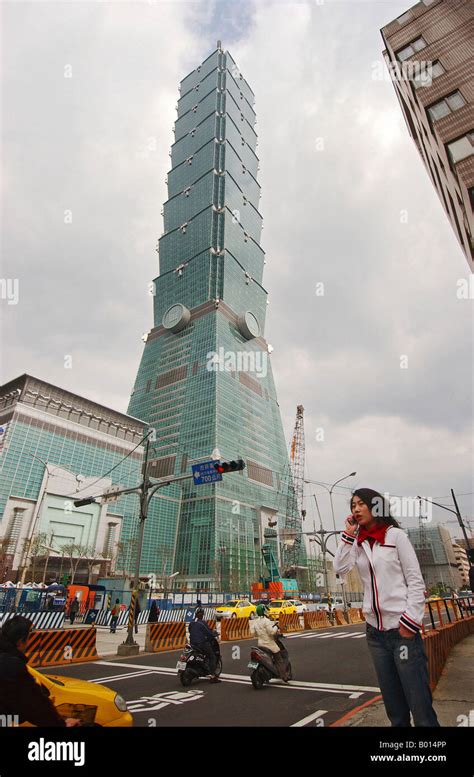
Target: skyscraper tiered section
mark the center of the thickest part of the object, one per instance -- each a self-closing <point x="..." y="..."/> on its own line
<point x="205" y="381"/>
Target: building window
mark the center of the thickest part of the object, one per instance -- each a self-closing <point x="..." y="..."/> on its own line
<point x="404" y="18"/>
<point x="449" y="104"/>
<point x="461" y="148"/>
<point x="425" y="77"/>
<point x="409" y="51"/>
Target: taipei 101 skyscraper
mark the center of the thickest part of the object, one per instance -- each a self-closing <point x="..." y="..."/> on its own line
<point x="205" y="382"/>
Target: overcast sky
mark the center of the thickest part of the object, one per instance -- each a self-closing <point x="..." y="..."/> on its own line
<point x="88" y="98"/>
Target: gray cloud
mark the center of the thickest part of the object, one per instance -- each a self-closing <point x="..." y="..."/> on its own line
<point x="97" y="144"/>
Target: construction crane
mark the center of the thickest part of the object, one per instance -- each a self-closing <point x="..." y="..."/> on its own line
<point x="294" y="514"/>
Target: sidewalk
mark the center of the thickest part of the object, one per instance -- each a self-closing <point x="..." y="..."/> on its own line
<point x="108" y="643"/>
<point x="453" y="696"/>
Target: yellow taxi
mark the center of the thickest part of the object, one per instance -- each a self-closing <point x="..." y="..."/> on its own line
<point x="279" y="607"/>
<point x="236" y="608"/>
<point x="90" y="702"/>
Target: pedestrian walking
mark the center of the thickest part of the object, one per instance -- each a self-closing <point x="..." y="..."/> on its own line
<point x="73" y="609"/>
<point x="154" y="613"/>
<point x="394" y="606"/>
<point x="115" y="616"/>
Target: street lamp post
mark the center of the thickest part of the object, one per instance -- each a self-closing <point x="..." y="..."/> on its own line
<point x="323" y="541"/>
<point x="167" y="582"/>
<point x="351" y="475"/>
<point x="330" y="490"/>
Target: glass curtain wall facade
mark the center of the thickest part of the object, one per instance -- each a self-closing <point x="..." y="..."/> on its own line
<point x="43" y="428"/>
<point x="205" y="380"/>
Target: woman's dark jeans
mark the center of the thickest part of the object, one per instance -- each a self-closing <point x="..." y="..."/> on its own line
<point x="402" y="671"/>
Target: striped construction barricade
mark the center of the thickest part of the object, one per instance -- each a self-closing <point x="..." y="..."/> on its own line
<point x="61" y="646"/>
<point x="353" y="613"/>
<point x="289" y="623"/>
<point x="33" y="647"/>
<point x="340" y="619"/>
<point x="235" y="628"/>
<point x="165" y="636"/>
<point x="42" y="619"/>
<point x="316" y="620"/>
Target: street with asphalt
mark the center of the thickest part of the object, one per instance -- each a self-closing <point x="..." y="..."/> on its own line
<point x="334" y="684"/>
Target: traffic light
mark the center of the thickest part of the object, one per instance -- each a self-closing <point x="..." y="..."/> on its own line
<point x="230" y="466"/>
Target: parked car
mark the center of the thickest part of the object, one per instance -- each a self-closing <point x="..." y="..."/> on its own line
<point x="301" y="607"/>
<point x="279" y="607"/>
<point x="336" y="603"/>
<point x="91" y="702"/>
<point x="236" y="608"/>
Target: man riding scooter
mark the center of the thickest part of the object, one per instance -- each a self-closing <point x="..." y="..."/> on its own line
<point x="199" y="637"/>
<point x="266" y="631"/>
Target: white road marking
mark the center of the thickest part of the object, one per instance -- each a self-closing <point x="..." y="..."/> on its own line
<point x="308" y="719"/>
<point x="346" y="634"/>
<point x="125" y="676"/>
<point x="352" y="690"/>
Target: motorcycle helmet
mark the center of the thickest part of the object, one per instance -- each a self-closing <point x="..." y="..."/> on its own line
<point x="260" y="610"/>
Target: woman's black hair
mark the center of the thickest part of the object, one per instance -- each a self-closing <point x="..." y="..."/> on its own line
<point x="16" y="629"/>
<point x="377" y="505"/>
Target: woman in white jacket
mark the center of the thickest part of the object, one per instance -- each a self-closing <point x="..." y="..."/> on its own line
<point x="394" y="605"/>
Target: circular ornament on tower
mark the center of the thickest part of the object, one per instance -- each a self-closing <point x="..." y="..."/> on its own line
<point x="176" y="317"/>
<point x="248" y="325"/>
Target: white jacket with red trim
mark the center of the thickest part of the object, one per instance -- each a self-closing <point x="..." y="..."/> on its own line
<point x="394" y="589"/>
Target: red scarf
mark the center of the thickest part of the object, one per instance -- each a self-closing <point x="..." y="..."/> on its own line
<point x="376" y="533"/>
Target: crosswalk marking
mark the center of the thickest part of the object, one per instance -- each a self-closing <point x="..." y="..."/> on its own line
<point x="328" y="635"/>
<point x="343" y="636"/>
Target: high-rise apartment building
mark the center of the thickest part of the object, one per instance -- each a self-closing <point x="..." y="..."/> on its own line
<point x="462" y="562"/>
<point x="430" y="55"/>
<point x="434" y="549"/>
<point x="205" y="380"/>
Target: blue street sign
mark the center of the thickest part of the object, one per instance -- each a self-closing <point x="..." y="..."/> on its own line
<point x="205" y="473"/>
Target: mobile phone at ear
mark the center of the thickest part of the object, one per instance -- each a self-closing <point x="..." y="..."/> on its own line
<point x="352" y="520"/>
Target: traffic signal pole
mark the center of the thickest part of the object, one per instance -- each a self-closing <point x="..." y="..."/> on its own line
<point x="146" y="490"/>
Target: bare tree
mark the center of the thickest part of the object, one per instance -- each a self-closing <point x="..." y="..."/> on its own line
<point x="164" y="560"/>
<point x="91" y="560"/>
<point x="74" y="553"/>
<point x="36" y="549"/>
<point x="120" y="548"/>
